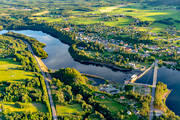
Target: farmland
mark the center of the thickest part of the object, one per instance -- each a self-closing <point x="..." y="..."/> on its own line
<point x="143" y="14"/>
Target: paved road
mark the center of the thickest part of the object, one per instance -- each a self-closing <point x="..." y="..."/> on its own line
<point x="47" y="84"/>
<point x="153" y="90"/>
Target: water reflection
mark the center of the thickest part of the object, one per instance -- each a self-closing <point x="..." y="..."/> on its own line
<point x="59" y="57"/>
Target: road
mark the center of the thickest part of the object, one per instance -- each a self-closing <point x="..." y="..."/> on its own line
<point x="47" y="84"/>
<point x="153" y="90"/>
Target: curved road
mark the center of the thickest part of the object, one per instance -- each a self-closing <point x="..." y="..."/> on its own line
<point x="47" y="84"/>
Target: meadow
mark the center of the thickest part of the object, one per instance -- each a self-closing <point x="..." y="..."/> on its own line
<point x="9" y="71"/>
<point x="112" y="105"/>
<point x="69" y="109"/>
<point x="27" y="107"/>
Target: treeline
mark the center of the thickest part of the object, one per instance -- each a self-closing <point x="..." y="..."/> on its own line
<point x="119" y="57"/>
<point x="27" y="61"/>
<point x="16" y="49"/>
<point x="54" y="29"/>
<point x="99" y="58"/>
<point x="35" y="44"/>
<point x="7" y="46"/>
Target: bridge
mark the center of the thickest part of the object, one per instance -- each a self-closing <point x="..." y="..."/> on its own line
<point x="153" y="90"/>
<point x="140" y="84"/>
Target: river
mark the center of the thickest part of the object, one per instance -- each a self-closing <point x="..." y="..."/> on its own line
<point x="59" y="57"/>
<point x="172" y="79"/>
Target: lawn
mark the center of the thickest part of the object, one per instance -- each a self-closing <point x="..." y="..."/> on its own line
<point x="69" y="109"/>
<point x="27" y="107"/>
<point x="112" y="105"/>
<point x="9" y="71"/>
<point x="47" y="19"/>
<point x="83" y="20"/>
<point x="121" y="22"/>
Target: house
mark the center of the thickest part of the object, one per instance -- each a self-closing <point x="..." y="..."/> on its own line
<point x="129" y="113"/>
<point x="126" y="82"/>
<point x="67" y="29"/>
<point x="126" y="44"/>
<point x="122" y="97"/>
<point x="102" y="97"/>
<point x="132" y="64"/>
<point x="81" y="48"/>
<point x="127" y="49"/>
<point x="121" y="42"/>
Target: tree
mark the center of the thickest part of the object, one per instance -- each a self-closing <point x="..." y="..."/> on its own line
<point x="79" y="97"/>
<point x="59" y="97"/>
<point x="128" y="87"/>
<point x="26" y="98"/>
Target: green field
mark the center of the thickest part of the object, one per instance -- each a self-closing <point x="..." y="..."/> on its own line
<point x="27" y="107"/>
<point x="9" y="71"/>
<point x="69" y="109"/>
<point x="112" y="105"/>
<point x="47" y="19"/>
<point x="133" y="10"/>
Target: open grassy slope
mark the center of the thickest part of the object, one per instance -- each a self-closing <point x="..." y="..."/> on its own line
<point x="9" y="71"/>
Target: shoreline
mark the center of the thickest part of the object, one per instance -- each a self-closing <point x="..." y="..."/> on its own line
<point x="165" y="96"/>
<point x="109" y="65"/>
<point x="77" y="57"/>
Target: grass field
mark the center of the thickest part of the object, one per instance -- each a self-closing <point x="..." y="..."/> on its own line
<point x="112" y="105"/>
<point x="27" y="107"/>
<point x="48" y="19"/>
<point x="9" y="71"/>
<point x="69" y="109"/>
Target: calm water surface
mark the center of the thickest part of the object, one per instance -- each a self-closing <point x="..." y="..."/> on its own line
<point x="172" y="79"/>
<point x="59" y="57"/>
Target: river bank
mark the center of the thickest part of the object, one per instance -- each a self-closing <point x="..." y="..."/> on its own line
<point x="161" y="95"/>
<point x="60" y="58"/>
<point x="133" y="80"/>
<point x="86" y="60"/>
<point x="61" y="35"/>
<point x="115" y="68"/>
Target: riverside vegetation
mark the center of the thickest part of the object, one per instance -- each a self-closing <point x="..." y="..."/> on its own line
<point x="129" y="36"/>
<point x="23" y="91"/>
